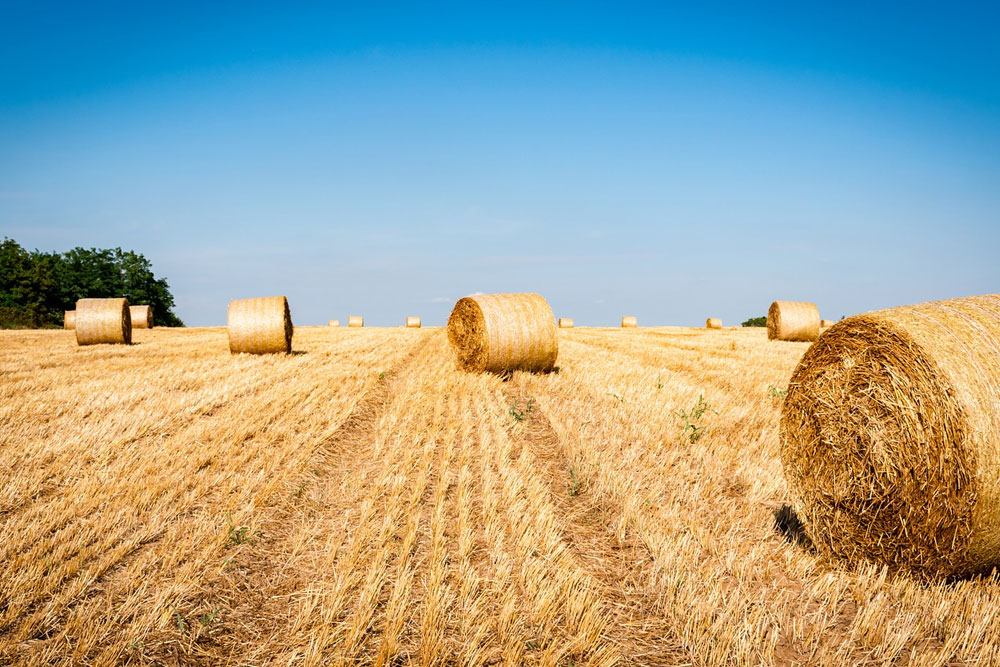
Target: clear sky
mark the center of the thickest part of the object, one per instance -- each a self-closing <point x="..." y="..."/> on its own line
<point x="669" y="161"/>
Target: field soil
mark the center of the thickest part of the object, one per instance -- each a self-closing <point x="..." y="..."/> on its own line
<point x="361" y="501"/>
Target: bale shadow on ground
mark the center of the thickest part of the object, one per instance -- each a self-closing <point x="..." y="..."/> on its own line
<point x="787" y="522"/>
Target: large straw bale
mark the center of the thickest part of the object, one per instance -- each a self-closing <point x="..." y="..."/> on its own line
<point x="500" y="333"/>
<point x="823" y="324"/>
<point x="713" y="323"/>
<point x="334" y="323"/>
<point x="629" y="322"/>
<point x="890" y="438"/>
<point x="142" y="317"/>
<point x="261" y="325"/>
<point x="413" y="322"/>
<point x="565" y="322"/>
<point x="69" y="319"/>
<point x="793" y="320"/>
<point x="355" y="321"/>
<point x="103" y="321"/>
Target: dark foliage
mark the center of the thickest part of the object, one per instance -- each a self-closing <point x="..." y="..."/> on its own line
<point x="756" y="322"/>
<point x="37" y="287"/>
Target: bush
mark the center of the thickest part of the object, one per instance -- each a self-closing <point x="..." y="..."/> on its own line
<point x="756" y="322"/>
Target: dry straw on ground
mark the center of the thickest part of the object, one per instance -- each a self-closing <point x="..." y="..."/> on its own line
<point x="713" y="323"/>
<point x="334" y="323"/>
<point x="355" y="321"/>
<point x="891" y="437"/>
<point x="142" y="317"/>
<point x="503" y="332"/>
<point x="792" y="320"/>
<point x="565" y="322"/>
<point x="260" y="326"/>
<point x="69" y="319"/>
<point x="413" y="322"/>
<point x="629" y="322"/>
<point x="103" y="321"/>
<point x="823" y="324"/>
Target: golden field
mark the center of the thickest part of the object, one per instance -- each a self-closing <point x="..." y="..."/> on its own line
<point x="361" y="501"/>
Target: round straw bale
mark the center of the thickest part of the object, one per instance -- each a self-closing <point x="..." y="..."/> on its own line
<point x="890" y="438"/>
<point x="823" y="324"/>
<point x="334" y="323"/>
<point x="103" y="321"/>
<point x="503" y="332"/>
<point x="69" y="319"/>
<point x="565" y="322"/>
<point x="629" y="322"/>
<point x="792" y="320"/>
<point x="261" y="325"/>
<point x="355" y="321"/>
<point x="142" y="317"/>
<point x="713" y="323"/>
<point x="413" y="322"/>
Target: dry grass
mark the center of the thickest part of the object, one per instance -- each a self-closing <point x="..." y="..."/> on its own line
<point x="364" y="502"/>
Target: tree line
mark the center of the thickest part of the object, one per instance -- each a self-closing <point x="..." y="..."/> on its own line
<point x="37" y="287"/>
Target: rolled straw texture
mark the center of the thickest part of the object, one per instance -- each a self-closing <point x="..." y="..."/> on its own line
<point x="793" y="320"/>
<point x="565" y="322"/>
<point x="142" y="317"/>
<point x="355" y="321"/>
<point x="413" y="322"/>
<point x="823" y="324"/>
<point x="69" y="319"/>
<point x="713" y="323"/>
<point x="334" y="323"/>
<point x="261" y="325"/>
<point x="103" y="321"/>
<point x="890" y="438"/>
<point x="629" y="322"/>
<point x="500" y="333"/>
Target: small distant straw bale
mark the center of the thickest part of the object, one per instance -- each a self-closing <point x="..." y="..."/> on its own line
<point x="103" y="321"/>
<point x="565" y="322"/>
<point x="501" y="333"/>
<point x="793" y="321"/>
<point x="142" y="317"/>
<point x="69" y="319"/>
<point x="261" y="325"/>
<point x="890" y="438"/>
<point x="355" y="321"/>
<point x="713" y="323"/>
<point x="413" y="322"/>
<point x="334" y="323"/>
<point x="823" y="324"/>
<point x="629" y="322"/>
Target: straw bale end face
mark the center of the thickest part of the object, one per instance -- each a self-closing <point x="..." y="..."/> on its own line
<point x="355" y="321"/>
<point x="260" y="325"/>
<point x="413" y="322"/>
<point x="103" y="321"/>
<point x="565" y="323"/>
<point x="502" y="333"/>
<point x="793" y="321"/>
<point x="890" y="438"/>
<point x="629" y="322"/>
<point x="142" y="317"/>
<point x="713" y="323"/>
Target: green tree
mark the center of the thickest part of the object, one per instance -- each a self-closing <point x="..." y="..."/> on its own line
<point x="36" y="287"/>
<point x="756" y="322"/>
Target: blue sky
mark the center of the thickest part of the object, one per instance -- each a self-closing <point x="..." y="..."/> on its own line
<point x="671" y="161"/>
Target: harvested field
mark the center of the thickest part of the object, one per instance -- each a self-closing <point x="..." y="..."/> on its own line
<point x="362" y="501"/>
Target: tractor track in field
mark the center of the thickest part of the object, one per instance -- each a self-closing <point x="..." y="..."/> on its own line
<point x="618" y="565"/>
<point x="256" y="574"/>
